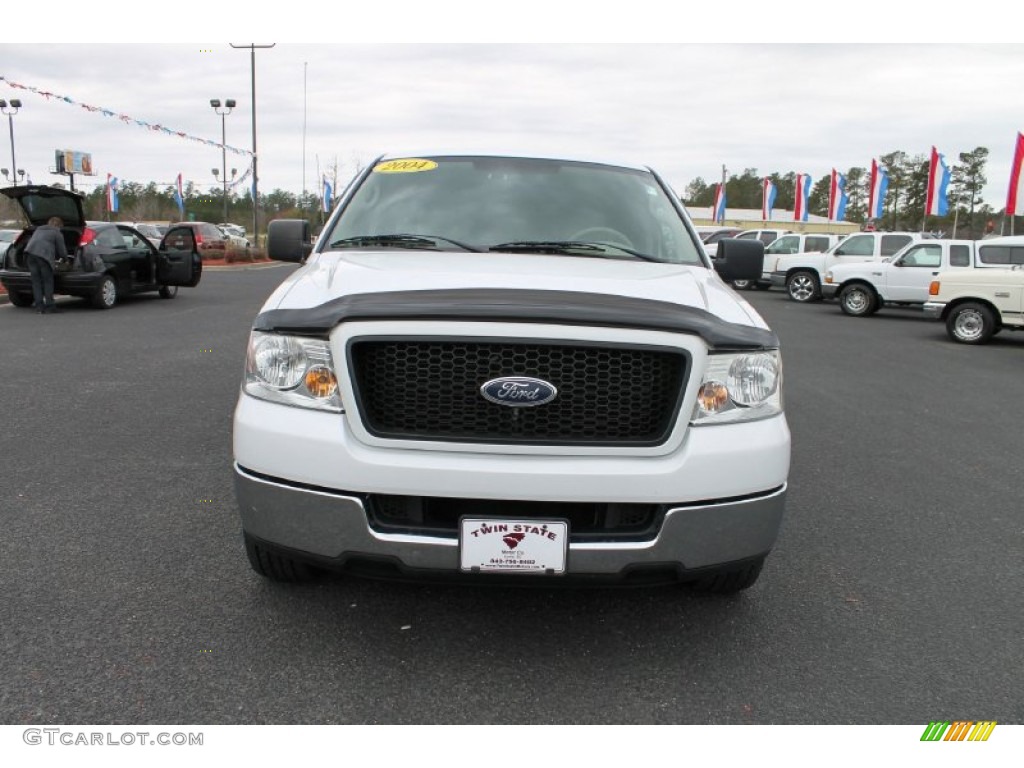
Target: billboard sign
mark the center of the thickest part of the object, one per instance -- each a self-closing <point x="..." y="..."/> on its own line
<point x="68" y="161"/>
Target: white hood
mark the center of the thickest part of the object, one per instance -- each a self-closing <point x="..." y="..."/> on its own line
<point x="331" y="275"/>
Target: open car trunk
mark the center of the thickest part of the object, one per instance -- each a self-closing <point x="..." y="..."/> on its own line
<point x="15" y="259"/>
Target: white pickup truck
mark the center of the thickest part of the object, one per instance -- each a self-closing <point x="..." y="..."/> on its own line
<point x="803" y="274"/>
<point x="790" y="244"/>
<point x="865" y="287"/>
<point x="976" y="304"/>
<point x="511" y="368"/>
<point x="904" y="279"/>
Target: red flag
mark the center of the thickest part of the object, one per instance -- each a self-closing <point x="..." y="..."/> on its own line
<point x="1015" y="197"/>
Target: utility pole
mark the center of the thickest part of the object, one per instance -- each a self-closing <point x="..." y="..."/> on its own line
<point x="305" y="66"/>
<point x="255" y="177"/>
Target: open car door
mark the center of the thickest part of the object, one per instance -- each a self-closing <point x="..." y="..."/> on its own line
<point x="178" y="260"/>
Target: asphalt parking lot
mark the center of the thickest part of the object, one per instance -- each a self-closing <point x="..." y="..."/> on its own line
<point x="893" y="596"/>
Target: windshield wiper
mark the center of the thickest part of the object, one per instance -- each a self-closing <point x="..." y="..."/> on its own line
<point x="399" y="241"/>
<point x="568" y="248"/>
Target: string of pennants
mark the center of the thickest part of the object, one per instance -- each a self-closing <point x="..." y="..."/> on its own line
<point x="126" y="119"/>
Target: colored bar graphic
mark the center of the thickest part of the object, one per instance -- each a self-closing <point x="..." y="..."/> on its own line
<point x="958" y="730"/>
<point x="934" y="731"/>
<point x="982" y="730"/>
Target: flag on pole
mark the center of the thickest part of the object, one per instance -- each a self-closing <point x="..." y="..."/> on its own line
<point x="837" y="197"/>
<point x="801" y="197"/>
<point x="1015" y="197"/>
<point x="937" y="203"/>
<point x="112" y="203"/>
<point x="876" y="194"/>
<point x="767" y="198"/>
<point x="718" y="212"/>
<point x="328" y="191"/>
<point x="179" y="198"/>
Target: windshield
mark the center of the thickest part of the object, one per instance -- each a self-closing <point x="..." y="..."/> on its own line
<point x="512" y="204"/>
<point x="714" y="237"/>
<point x="784" y="245"/>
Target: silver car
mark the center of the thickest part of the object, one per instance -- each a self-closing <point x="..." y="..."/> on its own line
<point x="7" y="236"/>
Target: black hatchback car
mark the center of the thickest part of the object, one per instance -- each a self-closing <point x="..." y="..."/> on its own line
<point x="110" y="260"/>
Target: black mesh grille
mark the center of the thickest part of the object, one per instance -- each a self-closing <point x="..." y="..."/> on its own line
<point x="430" y="389"/>
<point x="586" y="521"/>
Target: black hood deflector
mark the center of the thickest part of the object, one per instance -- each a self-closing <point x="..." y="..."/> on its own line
<point x="518" y="306"/>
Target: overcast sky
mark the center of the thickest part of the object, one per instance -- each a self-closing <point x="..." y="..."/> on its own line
<point x="684" y="109"/>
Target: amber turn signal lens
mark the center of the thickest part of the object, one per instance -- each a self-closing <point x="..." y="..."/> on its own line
<point x="713" y="396"/>
<point x="933" y="289"/>
<point x="320" y="381"/>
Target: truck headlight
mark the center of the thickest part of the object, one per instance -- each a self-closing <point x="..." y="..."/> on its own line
<point x="291" y="370"/>
<point x="739" y="387"/>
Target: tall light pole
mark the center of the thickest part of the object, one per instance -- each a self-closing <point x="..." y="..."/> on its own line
<point x="255" y="177"/>
<point x="305" y="67"/>
<point x="11" y="111"/>
<point x="229" y="104"/>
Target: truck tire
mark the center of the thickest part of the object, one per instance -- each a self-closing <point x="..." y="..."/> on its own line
<point x="275" y="566"/>
<point x="803" y="286"/>
<point x="730" y="581"/>
<point x="858" y="300"/>
<point x="742" y="285"/>
<point x="971" y="323"/>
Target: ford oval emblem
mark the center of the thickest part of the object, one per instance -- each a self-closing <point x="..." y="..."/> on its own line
<point x="519" y="391"/>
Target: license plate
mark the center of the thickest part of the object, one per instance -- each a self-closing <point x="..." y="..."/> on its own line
<point x="513" y="546"/>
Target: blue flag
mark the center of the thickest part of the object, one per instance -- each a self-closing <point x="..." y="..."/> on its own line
<point x="718" y="209"/>
<point x="179" y="198"/>
<point x="112" y="193"/>
<point x="328" y="192"/>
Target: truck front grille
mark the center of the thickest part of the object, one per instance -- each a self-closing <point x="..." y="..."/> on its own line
<point x="425" y="389"/>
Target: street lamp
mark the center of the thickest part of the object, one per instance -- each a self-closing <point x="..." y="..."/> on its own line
<point x="255" y="176"/>
<point x="11" y="111"/>
<point x="229" y="104"/>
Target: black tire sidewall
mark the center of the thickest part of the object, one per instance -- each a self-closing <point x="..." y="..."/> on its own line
<point x="988" y="323"/>
<point x="19" y="299"/>
<point x="97" y="298"/>
<point x="871" y="300"/>
<point x="815" y="292"/>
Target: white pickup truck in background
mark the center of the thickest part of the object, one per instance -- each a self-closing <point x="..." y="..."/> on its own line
<point x="803" y="274"/>
<point x="976" y="304"/>
<point x="790" y="244"/>
<point x="865" y="287"/>
<point x="904" y="279"/>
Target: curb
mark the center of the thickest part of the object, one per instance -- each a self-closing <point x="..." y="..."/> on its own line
<point x="228" y="267"/>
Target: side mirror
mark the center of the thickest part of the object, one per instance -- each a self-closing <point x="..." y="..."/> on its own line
<point x="288" y="240"/>
<point x="739" y="259"/>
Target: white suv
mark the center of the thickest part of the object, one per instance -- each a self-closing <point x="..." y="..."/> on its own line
<point x="976" y="304"/>
<point x="803" y="274"/>
<point x="902" y="280"/>
<point x="519" y="368"/>
<point x="792" y="243"/>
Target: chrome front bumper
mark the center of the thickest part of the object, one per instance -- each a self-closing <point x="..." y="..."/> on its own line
<point x="933" y="309"/>
<point x="333" y="526"/>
